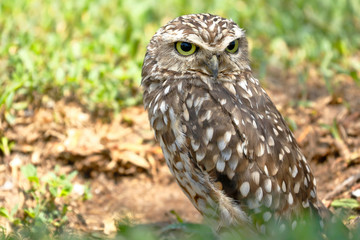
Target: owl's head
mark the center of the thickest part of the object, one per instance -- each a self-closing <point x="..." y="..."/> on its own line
<point x="202" y="45"/>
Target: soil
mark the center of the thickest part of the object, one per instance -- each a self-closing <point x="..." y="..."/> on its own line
<point x="124" y="167"/>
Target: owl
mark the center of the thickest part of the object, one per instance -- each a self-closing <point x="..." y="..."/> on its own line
<point x="223" y="139"/>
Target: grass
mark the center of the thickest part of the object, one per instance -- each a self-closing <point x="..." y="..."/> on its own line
<point x="92" y="50"/>
<point x="47" y="201"/>
<point x="186" y="231"/>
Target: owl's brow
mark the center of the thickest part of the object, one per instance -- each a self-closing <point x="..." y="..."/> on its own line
<point x="199" y="35"/>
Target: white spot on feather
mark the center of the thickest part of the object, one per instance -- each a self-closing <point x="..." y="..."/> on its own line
<point x="296" y="187"/>
<point x="260" y="150"/>
<point x="172" y="114"/>
<point x="259" y="194"/>
<point x="200" y="155"/>
<point x="254" y="124"/>
<point x="167" y="89"/>
<point x="236" y="121"/>
<point x="227" y="136"/>
<point x="179" y="166"/>
<point x="233" y="162"/>
<point x="179" y="87"/>
<point x="239" y="149"/>
<point x="266" y="216"/>
<point x="276" y="132"/>
<point x="231" y="88"/>
<point x="209" y="134"/>
<point x="283" y="186"/>
<point x="287" y="149"/>
<point x="195" y="145"/>
<point x="271" y="141"/>
<point x="223" y="101"/>
<point x="245" y="188"/>
<point x="305" y="204"/>
<point x="226" y="154"/>
<point x="266" y="170"/>
<point x="186" y="114"/>
<point x="267" y="185"/>
<point x="267" y="200"/>
<point x="255" y="176"/>
<point x="221" y="144"/>
<point x="294" y="171"/>
<point x="189" y="102"/>
<point x="163" y="106"/>
<point x="312" y="193"/>
<point x="220" y="165"/>
<point x="290" y="199"/>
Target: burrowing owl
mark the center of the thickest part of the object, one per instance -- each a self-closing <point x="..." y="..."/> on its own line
<point x="223" y="139"/>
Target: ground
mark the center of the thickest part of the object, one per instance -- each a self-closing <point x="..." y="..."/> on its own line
<point x="124" y="166"/>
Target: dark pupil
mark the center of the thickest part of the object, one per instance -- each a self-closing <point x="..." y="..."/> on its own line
<point x="185" y="46"/>
<point x="231" y="45"/>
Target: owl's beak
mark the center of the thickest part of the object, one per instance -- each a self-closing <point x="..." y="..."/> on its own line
<point x="214" y="65"/>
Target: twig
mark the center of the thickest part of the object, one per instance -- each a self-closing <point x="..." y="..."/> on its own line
<point x="343" y="186"/>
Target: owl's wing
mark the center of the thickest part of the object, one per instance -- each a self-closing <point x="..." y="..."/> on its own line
<point x="236" y="135"/>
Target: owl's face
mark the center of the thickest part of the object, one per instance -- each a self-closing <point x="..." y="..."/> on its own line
<point x="200" y="45"/>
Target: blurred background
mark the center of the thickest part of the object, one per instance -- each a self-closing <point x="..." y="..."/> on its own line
<point x="94" y="49"/>
<point x="70" y="96"/>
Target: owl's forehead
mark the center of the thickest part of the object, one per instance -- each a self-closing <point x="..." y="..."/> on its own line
<point x="211" y="30"/>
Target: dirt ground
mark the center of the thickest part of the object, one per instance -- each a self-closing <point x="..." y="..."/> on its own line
<point x="124" y="165"/>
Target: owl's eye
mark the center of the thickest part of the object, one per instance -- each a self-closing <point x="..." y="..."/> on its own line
<point x="233" y="46"/>
<point x="185" y="48"/>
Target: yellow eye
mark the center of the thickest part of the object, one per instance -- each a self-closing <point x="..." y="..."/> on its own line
<point x="185" y="48"/>
<point x="233" y="46"/>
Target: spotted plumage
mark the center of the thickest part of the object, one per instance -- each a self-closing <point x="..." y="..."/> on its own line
<point x="223" y="139"/>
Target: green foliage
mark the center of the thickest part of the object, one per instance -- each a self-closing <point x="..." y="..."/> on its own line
<point x="190" y="231"/>
<point x="128" y="232"/>
<point x="178" y="218"/>
<point x="45" y="192"/>
<point x="333" y="128"/>
<point x="51" y="195"/>
<point x="6" y="146"/>
<point x="310" y="229"/>
<point x="93" y="49"/>
<point x="346" y="203"/>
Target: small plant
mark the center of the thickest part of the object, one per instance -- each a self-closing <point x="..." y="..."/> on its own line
<point x="46" y="194"/>
<point x="6" y="146"/>
<point x="334" y="129"/>
<point x="46" y="200"/>
<point x="346" y="203"/>
<point x="346" y="208"/>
